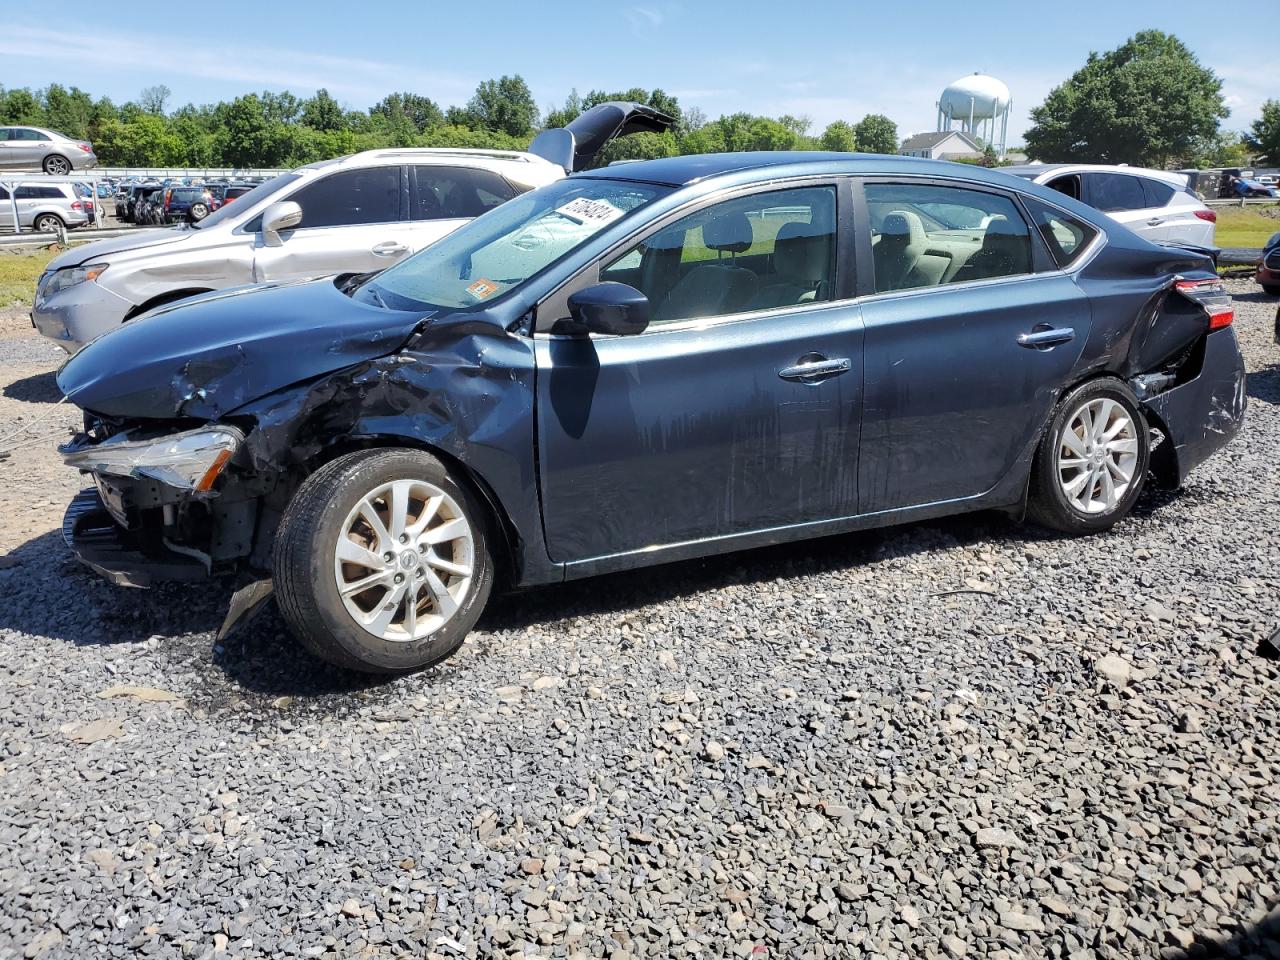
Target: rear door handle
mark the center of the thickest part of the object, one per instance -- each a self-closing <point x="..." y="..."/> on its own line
<point x="814" y="368"/>
<point x="389" y="248"/>
<point x="1045" y="337"/>
<point x="1155" y="221"/>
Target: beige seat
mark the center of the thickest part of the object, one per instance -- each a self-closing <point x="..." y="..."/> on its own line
<point x="901" y="243"/>
<point x="719" y="287"/>
<point x="802" y="265"/>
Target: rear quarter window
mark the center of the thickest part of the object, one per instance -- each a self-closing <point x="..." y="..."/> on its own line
<point x="1157" y="192"/>
<point x="1066" y="236"/>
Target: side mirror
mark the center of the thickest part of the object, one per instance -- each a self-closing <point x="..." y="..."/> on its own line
<point x="613" y="308"/>
<point x="281" y="215"/>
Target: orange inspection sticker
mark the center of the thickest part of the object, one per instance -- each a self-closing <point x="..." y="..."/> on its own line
<point x="482" y="289"/>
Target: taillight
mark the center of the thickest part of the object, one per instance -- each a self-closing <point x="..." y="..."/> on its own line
<point x="86" y="147"/>
<point x="77" y="205"/>
<point x="168" y="198"/>
<point x="1209" y="215"/>
<point x="1212" y="295"/>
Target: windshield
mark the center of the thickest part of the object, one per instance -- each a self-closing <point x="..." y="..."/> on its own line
<point x="260" y="192"/>
<point x="495" y="253"/>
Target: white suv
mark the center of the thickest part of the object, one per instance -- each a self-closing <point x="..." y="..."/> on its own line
<point x="1155" y="204"/>
<point x="355" y="214"/>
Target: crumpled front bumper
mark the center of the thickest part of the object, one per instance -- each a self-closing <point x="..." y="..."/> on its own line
<point x="73" y="317"/>
<point x="99" y="543"/>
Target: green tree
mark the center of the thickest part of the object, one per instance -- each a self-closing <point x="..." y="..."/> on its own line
<point x="143" y="141"/>
<point x="876" y="133"/>
<point x="421" y="112"/>
<point x="21" y="106"/>
<point x="1147" y="102"/>
<point x="504" y="105"/>
<point x="322" y="112"/>
<point x="67" y="111"/>
<point x="839" y="136"/>
<point x="282" y="107"/>
<point x="1264" y="135"/>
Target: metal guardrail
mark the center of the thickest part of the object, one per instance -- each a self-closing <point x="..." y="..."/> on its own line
<point x="1248" y="202"/>
<point x="66" y="237"/>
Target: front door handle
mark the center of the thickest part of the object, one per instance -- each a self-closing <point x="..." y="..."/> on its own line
<point x="389" y="248"/>
<point x="1155" y="221"/>
<point x="1045" y="337"/>
<point x="814" y="368"/>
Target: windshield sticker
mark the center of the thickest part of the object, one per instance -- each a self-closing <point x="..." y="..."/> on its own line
<point x="482" y="289"/>
<point x="594" y="212"/>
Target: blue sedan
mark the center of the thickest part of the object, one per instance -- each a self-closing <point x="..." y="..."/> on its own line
<point x="644" y="363"/>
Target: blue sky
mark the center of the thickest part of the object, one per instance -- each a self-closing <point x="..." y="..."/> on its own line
<point x="824" y="60"/>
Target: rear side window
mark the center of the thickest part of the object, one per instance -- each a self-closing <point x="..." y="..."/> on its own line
<point x="1157" y="193"/>
<point x="1064" y="235"/>
<point x="926" y="236"/>
<point x="39" y="193"/>
<point x="456" y="193"/>
<point x="351" y="197"/>
<point x="5" y="133"/>
<point x="1113" y="192"/>
<point x="24" y="134"/>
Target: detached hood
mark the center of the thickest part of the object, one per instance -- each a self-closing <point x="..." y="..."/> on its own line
<point x="209" y="355"/>
<point x="576" y="145"/>
<point x="102" y="249"/>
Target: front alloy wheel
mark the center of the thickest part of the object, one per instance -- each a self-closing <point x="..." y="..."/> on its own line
<point x="1092" y="462"/>
<point x="381" y="561"/>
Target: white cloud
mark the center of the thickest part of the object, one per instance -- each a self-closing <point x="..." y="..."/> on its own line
<point x="359" y="79"/>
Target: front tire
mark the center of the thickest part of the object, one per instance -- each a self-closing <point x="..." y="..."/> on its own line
<point x="381" y="562"/>
<point x="1092" y="462"/>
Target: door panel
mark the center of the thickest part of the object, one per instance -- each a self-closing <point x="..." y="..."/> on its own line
<point x="685" y="434"/>
<point x="952" y="397"/>
<point x="324" y="250"/>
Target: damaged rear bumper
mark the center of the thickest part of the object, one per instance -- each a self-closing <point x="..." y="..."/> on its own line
<point x="100" y="544"/>
<point x="1201" y="416"/>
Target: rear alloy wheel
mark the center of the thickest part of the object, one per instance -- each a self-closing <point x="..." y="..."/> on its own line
<point x="1092" y="462"/>
<point x="57" y="166"/>
<point x="48" y="223"/>
<point x="381" y="562"/>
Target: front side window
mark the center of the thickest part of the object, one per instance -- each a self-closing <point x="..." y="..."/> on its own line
<point x="925" y="236"/>
<point x="457" y="193"/>
<point x="351" y="197"/>
<point x="494" y="254"/>
<point x="26" y="134"/>
<point x="5" y="133"/>
<point x="255" y="196"/>
<point x="1064" y="235"/>
<point x="760" y="252"/>
<point x="1114" y="192"/>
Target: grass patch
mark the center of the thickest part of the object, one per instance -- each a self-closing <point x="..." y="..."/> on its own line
<point x="18" y="275"/>
<point x="1246" y="226"/>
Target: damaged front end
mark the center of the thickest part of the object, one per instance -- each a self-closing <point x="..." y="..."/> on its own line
<point x="164" y="505"/>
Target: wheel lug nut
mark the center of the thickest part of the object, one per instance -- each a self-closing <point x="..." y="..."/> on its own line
<point x="387" y="557"/>
<point x="399" y="578"/>
<point x="404" y="538"/>
<point x="421" y="573"/>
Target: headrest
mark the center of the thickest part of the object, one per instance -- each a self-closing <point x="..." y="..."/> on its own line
<point x="728" y="233"/>
<point x="802" y="253"/>
<point x="999" y="225"/>
<point x="902" y="226"/>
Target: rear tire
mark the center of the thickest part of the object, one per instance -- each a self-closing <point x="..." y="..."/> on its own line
<point x="413" y="609"/>
<point x="48" y="223"/>
<point x="1271" y="291"/>
<point x="1092" y="461"/>
<point x="198" y="211"/>
<point x="56" y="166"/>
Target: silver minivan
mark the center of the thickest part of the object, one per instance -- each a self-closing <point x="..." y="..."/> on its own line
<point x="43" y="206"/>
<point x="355" y="214"/>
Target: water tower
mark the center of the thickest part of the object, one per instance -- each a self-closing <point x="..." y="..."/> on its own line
<point x="980" y="104"/>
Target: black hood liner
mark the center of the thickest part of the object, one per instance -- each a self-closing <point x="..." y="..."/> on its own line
<point x="204" y="357"/>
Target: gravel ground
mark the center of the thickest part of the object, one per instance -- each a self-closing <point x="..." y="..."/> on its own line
<point x="811" y="751"/>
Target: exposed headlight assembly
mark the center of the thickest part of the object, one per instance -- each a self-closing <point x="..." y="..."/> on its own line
<point x="60" y="280"/>
<point x="188" y="461"/>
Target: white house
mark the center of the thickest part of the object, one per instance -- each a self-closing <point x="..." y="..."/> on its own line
<point x="941" y="145"/>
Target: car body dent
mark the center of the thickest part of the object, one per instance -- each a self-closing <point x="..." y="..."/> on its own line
<point x="221" y="350"/>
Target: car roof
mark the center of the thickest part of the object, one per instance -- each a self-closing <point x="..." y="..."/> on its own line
<point x="765" y="165"/>
<point x="1041" y="169"/>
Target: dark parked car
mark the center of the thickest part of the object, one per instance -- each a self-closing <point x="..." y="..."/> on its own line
<point x="224" y="193"/>
<point x="135" y="200"/>
<point x="644" y="363"/>
<point x="1269" y="266"/>
<point x="185" y="204"/>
